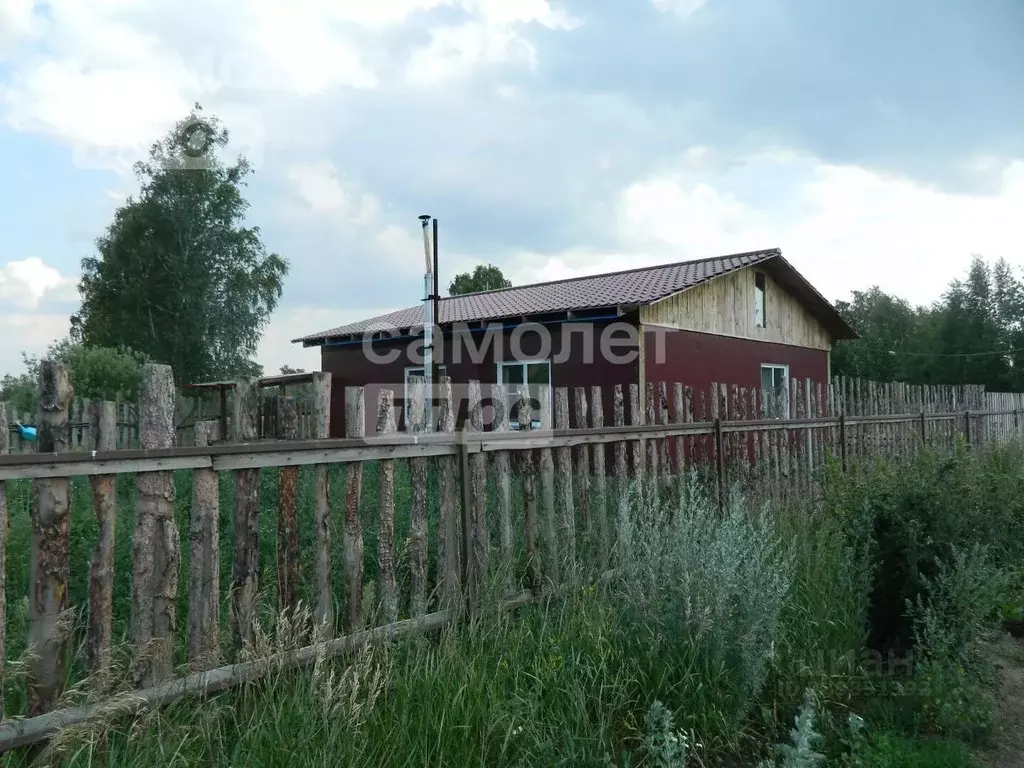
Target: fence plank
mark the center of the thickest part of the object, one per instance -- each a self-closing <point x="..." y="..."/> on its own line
<point x="320" y="416"/>
<point x="635" y="420"/>
<point x="477" y="555"/>
<point x="563" y="483"/>
<point x="549" y="524"/>
<point x="246" y="562"/>
<point x="448" y="539"/>
<point x="663" y="453"/>
<point x="529" y="480"/>
<point x="49" y="565"/>
<point x="103" y="433"/>
<point x="599" y="501"/>
<point x="503" y="476"/>
<point x="352" y="540"/>
<point x="285" y="422"/>
<point x="387" y="589"/>
<point x="581" y="461"/>
<point x="651" y="417"/>
<point x="204" y="559"/>
<point x="417" y="544"/>
<point x="156" y="555"/>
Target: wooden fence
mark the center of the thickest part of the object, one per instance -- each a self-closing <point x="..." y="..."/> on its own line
<point x="539" y="503"/>
<point x="83" y="430"/>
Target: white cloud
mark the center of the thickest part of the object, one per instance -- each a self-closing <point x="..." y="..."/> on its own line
<point x="844" y="227"/>
<point x="18" y="24"/>
<point x="322" y="193"/>
<point x="25" y="283"/>
<point x="31" y="333"/>
<point x="114" y="75"/>
<point x="681" y="8"/>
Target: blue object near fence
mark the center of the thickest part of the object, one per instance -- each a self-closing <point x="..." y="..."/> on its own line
<point x="26" y="433"/>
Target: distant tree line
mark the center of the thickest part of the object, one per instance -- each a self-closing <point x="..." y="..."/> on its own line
<point x="973" y="334"/>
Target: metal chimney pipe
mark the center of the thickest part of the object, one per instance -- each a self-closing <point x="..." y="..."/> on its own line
<point x="428" y="325"/>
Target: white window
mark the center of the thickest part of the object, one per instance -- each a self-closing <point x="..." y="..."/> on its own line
<point x="411" y="373"/>
<point x="533" y="373"/>
<point x="759" y="307"/>
<point x="775" y="386"/>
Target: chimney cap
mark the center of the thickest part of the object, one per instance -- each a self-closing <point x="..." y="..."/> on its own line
<point x="425" y="217"/>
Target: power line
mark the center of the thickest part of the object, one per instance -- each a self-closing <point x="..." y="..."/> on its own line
<point x="893" y="352"/>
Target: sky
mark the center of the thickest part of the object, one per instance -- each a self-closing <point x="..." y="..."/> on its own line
<point x="875" y="143"/>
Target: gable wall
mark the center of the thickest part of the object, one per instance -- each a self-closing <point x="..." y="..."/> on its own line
<point x="725" y="306"/>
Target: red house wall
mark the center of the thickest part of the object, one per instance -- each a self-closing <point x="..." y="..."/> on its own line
<point x="699" y="359"/>
<point x="584" y="366"/>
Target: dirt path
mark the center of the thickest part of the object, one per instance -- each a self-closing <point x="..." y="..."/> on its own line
<point x="1007" y="750"/>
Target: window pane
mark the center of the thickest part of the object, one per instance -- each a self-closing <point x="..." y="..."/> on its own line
<point x="413" y="372"/>
<point x="766" y="379"/>
<point x="537" y="373"/>
<point x="512" y="374"/>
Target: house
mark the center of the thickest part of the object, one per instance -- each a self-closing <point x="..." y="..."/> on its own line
<point x="748" y="319"/>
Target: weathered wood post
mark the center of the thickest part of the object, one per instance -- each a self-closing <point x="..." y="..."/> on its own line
<point x="449" y="568"/>
<point x="581" y="459"/>
<point x="599" y="507"/>
<point x="5" y="433"/>
<point x="529" y="477"/>
<point x="204" y="559"/>
<point x="103" y="432"/>
<point x="478" y="545"/>
<point x="49" y="564"/>
<point x="286" y="422"/>
<point x="563" y="486"/>
<point x="503" y="476"/>
<point x="323" y="609"/>
<point x="246" y="563"/>
<point x="156" y="555"/>
<point x="418" y="535"/>
<point x="546" y="469"/>
<point x="387" y="589"/>
<point x="352" y="539"/>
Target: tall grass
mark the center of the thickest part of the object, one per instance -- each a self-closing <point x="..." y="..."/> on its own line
<point x="720" y="632"/>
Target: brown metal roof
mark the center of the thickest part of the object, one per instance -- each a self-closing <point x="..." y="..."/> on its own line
<point x="614" y="289"/>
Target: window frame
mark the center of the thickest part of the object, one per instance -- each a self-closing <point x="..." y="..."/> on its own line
<point x="442" y="370"/>
<point x="784" y="367"/>
<point x="499" y="369"/>
<point x="761" y="293"/>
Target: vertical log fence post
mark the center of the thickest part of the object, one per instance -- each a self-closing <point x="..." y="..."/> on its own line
<point x="103" y="433"/>
<point x="448" y="537"/>
<point x="417" y="544"/>
<point x="352" y="540"/>
<point x="387" y="588"/>
<point x="49" y="563"/>
<point x="599" y="506"/>
<point x="204" y="559"/>
<point x="156" y="555"/>
<point x="582" y="472"/>
<point x="477" y="556"/>
<point x="503" y="475"/>
<point x="286" y="425"/>
<point x="549" y="522"/>
<point x="323" y="601"/>
<point x="529" y="480"/>
<point x="563" y="484"/>
<point x="246" y="562"/>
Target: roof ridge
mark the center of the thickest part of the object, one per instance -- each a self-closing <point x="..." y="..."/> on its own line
<point x="765" y="251"/>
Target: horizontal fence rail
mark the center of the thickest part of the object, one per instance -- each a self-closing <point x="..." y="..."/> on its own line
<point x="525" y="484"/>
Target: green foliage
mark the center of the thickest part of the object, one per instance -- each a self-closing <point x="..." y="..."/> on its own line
<point x="802" y="750"/>
<point x="910" y="518"/>
<point x="483" y="278"/>
<point x="177" y="275"/>
<point x="889" y="750"/>
<point x="96" y="373"/>
<point x="974" y="334"/>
